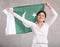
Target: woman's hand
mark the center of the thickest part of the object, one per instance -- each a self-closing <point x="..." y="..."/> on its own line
<point x="9" y="10"/>
<point x="47" y="4"/>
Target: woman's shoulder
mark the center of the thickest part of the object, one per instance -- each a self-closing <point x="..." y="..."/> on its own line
<point x="46" y="24"/>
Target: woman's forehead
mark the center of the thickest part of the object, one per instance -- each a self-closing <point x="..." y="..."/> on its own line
<point x="41" y="13"/>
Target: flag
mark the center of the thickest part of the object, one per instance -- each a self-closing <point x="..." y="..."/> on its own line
<point x="28" y="12"/>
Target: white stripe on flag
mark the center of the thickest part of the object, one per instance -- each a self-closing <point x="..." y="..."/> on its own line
<point x="10" y="24"/>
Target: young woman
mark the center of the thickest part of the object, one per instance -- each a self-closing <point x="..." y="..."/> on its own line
<point x="39" y="29"/>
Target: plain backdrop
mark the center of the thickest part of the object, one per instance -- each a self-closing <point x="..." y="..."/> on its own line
<point x="25" y="40"/>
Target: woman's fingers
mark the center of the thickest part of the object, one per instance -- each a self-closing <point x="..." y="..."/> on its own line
<point x="9" y="10"/>
<point x="47" y="4"/>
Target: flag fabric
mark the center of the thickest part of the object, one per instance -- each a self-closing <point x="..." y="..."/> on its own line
<point x="28" y="12"/>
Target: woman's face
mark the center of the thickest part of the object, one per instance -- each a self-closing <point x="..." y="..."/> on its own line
<point x="41" y="17"/>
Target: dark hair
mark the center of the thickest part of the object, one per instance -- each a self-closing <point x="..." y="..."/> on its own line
<point x="42" y="12"/>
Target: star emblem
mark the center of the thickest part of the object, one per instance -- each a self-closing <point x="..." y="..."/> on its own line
<point x="34" y="14"/>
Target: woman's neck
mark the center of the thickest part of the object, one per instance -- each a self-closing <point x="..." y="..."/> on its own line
<point x="39" y="23"/>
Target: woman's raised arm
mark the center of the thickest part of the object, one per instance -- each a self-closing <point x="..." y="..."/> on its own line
<point x="28" y="23"/>
<point x="54" y="14"/>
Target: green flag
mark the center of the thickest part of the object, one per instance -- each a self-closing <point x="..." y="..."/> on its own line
<point x="14" y="25"/>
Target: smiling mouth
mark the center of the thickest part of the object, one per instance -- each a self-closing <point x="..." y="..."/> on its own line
<point x="40" y="18"/>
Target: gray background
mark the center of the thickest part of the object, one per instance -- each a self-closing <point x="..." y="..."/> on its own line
<point x="25" y="40"/>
